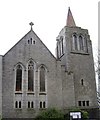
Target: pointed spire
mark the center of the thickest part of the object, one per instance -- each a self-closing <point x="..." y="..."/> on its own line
<point x="70" y="20"/>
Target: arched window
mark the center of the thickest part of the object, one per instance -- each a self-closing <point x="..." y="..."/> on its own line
<point x="75" y="46"/>
<point x="31" y="40"/>
<point x="83" y="103"/>
<point x="19" y="78"/>
<point x="42" y="79"/>
<point x="87" y="103"/>
<point x="43" y="104"/>
<point x="79" y="103"/>
<point x="61" y="45"/>
<point x="40" y="104"/>
<point x="81" y="43"/>
<point x="86" y="45"/>
<point x="32" y="104"/>
<point x="19" y="104"/>
<point x="31" y="76"/>
<point x="16" y="104"/>
<point x="59" y="49"/>
<point x="28" y="104"/>
<point x="28" y="41"/>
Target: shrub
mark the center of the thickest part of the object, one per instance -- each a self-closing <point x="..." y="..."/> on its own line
<point x="50" y="113"/>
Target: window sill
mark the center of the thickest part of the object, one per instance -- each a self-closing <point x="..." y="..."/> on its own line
<point x="18" y="92"/>
<point x="30" y="92"/>
<point x="80" y="52"/>
<point x="42" y="93"/>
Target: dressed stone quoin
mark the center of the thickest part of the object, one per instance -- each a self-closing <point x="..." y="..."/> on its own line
<point x="32" y="78"/>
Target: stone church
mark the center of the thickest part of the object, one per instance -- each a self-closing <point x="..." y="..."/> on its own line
<point x="32" y="78"/>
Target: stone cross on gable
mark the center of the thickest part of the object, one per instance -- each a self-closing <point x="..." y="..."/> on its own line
<point x="31" y="24"/>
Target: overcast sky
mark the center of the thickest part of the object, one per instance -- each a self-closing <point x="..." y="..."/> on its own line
<point x="48" y="16"/>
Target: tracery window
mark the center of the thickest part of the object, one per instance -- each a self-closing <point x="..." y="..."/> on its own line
<point x="42" y="79"/>
<point x="31" y="76"/>
<point x="19" y="78"/>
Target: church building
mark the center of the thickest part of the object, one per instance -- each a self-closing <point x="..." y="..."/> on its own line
<point x="32" y="78"/>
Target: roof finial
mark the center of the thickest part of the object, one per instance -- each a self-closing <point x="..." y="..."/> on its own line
<point x="70" y="20"/>
<point x="31" y="24"/>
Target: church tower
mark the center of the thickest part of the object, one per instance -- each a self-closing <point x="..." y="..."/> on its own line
<point x="74" y="49"/>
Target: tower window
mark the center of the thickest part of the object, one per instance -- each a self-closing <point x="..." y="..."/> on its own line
<point x="79" y="103"/>
<point x="42" y="79"/>
<point x="87" y="103"/>
<point x="61" y="46"/>
<point x="19" y="78"/>
<point x="83" y="103"/>
<point x="81" y="42"/>
<point x="86" y="44"/>
<point x="82" y="82"/>
<point x="59" y="49"/>
<point x="75" y="46"/>
<point x="30" y="76"/>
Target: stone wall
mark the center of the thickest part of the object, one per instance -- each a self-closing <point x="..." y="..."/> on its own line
<point x="21" y="53"/>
